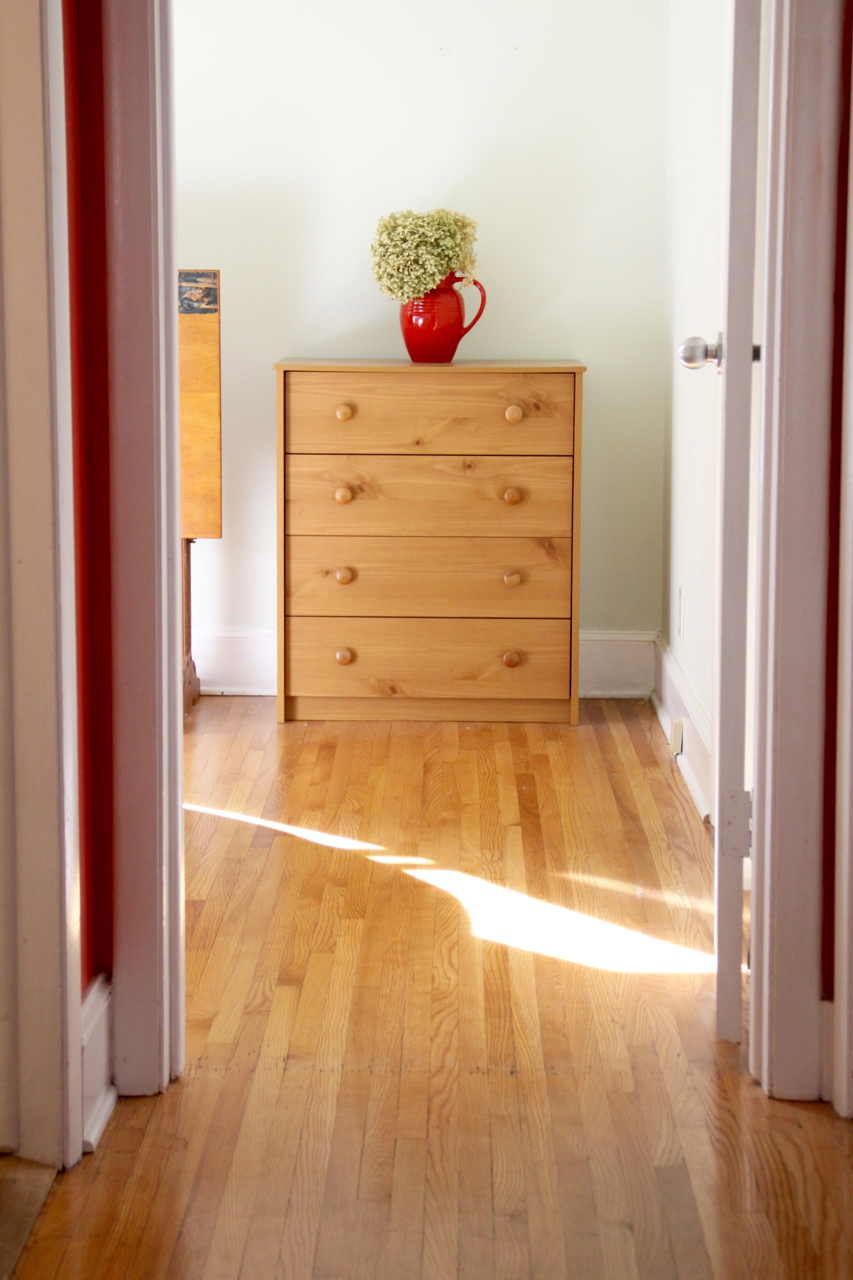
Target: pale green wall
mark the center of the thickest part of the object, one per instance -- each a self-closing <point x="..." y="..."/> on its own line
<point x="299" y="124"/>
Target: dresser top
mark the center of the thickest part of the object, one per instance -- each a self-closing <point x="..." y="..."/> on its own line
<point x="293" y="364"/>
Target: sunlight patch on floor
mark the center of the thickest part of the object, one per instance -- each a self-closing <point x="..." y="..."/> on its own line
<point x="397" y="860"/>
<point x="633" y="890"/>
<point x="516" y="920"/>
<point x="301" y="833"/>
<point x="502" y="915"/>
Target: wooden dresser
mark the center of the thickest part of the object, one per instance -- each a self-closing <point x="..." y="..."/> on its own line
<point x="428" y="540"/>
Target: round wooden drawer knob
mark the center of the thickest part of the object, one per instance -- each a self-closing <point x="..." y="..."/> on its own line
<point x="512" y="658"/>
<point x="343" y="413"/>
<point x="512" y="496"/>
<point x="514" y="413"/>
<point x="512" y="578"/>
<point x="343" y="576"/>
<point x="343" y="656"/>
<point x="344" y="494"/>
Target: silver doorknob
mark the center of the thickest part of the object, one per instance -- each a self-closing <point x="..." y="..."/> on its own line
<point x="696" y="352"/>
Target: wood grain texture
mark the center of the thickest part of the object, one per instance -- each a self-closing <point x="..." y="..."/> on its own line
<point x="429" y="577"/>
<point x="407" y="369"/>
<point x="427" y="657"/>
<point x="517" y="710"/>
<point x="429" y="413"/>
<point x="427" y="533"/>
<point x="201" y="425"/>
<point x="576" y="544"/>
<point x="373" y="1091"/>
<point x="421" y="497"/>
<point x="281" y="562"/>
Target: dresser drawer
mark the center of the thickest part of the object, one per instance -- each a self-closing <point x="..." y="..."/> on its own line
<point x="428" y="658"/>
<point x="429" y="577"/>
<point x="475" y="496"/>
<point x="419" y="412"/>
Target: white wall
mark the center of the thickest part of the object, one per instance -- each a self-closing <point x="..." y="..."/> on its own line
<point x="298" y="125"/>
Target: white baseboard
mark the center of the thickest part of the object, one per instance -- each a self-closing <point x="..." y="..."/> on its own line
<point x="674" y="699"/>
<point x="237" y="660"/>
<point x="242" y="660"/>
<point x="99" y="1094"/>
<point x="617" y="664"/>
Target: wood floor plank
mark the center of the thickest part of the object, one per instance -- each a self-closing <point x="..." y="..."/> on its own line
<point x="373" y="1092"/>
<point x="234" y="1219"/>
<point x="96" y="1224"/>
<point x="683" y="1224"/>
<point x="199" y="1222"/>
<point x="476" y="1216"/>
<point x="401" y="1248"/>
<point x="181" y="1130"/>
<point x="512" y="1243"/>
<point x="260" y="1259"/>
<point x="678" y="1080"/>
<point x="491" y="827"/>
<point x="218" y="967"/>
<point x="377" y="1157"/>
<point x="258" y="922"/>
<point x="658" y="1119"/>
<point x="299" y="1240"/>
<point x="574" y="1179"/>
<point x="655" y="1259"/>
<point x="547" y="1247"/>
<point x="664" y="880"/>
<point x="724" y="1230"/>
<point x="801" y="1212"/>
<point x="441" y="1198"/>
<point x="340" y="1202"/>
<point x="612" y="1209"/>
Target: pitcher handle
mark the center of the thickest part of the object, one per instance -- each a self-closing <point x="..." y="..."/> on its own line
<point x="470" y="326"/>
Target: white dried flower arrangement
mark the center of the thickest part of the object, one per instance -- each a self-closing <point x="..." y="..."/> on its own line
<point x="413" y="252"/>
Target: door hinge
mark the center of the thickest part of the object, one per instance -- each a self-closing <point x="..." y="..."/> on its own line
<point x="736" y="823"/>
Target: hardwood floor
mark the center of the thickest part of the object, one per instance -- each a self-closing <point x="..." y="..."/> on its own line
<point x="374" y="1092"/>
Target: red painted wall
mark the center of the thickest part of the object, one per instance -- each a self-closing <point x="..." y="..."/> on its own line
<point x="90" y="393"/>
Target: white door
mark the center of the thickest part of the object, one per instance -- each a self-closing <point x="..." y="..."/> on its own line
<point x="715" y="54"/>
<point x="788" y="1053"/>
<point x="733" y="801"/>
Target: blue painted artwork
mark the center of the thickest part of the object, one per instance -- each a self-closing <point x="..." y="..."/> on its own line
<point x="198" y="292"/>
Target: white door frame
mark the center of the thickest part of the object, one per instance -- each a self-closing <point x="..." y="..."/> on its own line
<point x="41" y="1109"/>
<point x="41" y="662"/>
<point x="148" y="982"/>
<point x="804" y="121"/>
<point x="173" y="640"/>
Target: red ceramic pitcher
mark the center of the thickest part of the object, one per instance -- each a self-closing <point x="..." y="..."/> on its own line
<point x="434" y="325"/>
